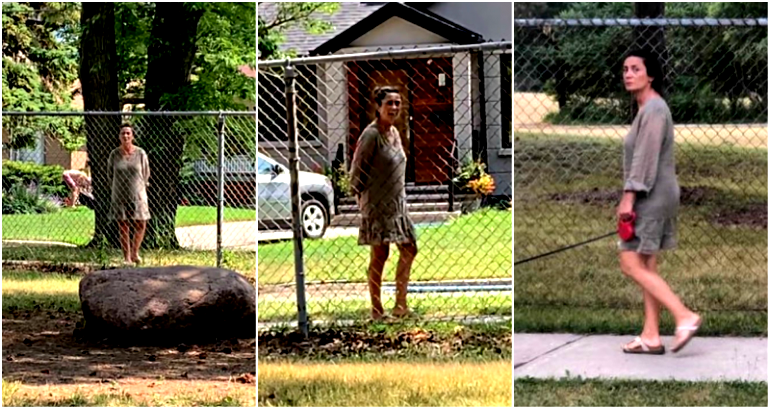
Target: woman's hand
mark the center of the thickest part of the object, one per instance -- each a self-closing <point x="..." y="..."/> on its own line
<point x="626" y="206"/>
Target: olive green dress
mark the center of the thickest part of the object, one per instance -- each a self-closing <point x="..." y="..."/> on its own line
<point x="129" y="177"/>
<point x="378" y="178"/>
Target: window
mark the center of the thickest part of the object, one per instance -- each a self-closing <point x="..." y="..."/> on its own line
<point x="506" y="100"/>
<point x="263" y="167"/>
<point x="272" y="104"/>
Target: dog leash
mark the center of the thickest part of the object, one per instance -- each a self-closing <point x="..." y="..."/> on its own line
<point x="612" y="233"/>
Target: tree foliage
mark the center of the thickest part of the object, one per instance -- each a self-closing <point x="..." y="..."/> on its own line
<point x="39" y="68"/>
<point x="713" y="73"/>
<point x="279" y="17"/>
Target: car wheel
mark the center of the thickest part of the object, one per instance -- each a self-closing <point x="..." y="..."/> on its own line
<point x="313" y="219"/>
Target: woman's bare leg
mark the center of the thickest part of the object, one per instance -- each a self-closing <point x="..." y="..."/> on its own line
<point x="74" y="197"/>
<point x="635" y="266"/>
<point x="125" y="239"/>
<point x="140" y="226"/>
<point x="407" y="254"/>
<point x="379" y="255"/>
<point x="651" y="332"/>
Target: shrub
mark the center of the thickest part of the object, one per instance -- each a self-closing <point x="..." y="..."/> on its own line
<point x="340" y="179"/>
<point x="470" y="171"/>
<point x="47" y="178"/>
<point x="21" y="199"/>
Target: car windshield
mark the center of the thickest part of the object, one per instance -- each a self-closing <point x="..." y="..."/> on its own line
<point x="263" y="167"/>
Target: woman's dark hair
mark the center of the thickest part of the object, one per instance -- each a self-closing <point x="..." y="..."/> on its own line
<point x="380" y="93"/>
<point x="133" y="131"/>
<point x="654" y="69"/>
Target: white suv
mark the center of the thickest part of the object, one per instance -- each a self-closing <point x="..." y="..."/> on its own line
<point x="274" y="198"/>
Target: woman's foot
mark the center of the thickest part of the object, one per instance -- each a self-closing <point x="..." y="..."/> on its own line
<point x="378" y="314"/>
<point x="402" y="312"/>
<point x="137" y="260"/>
<point x="644" y="346"/>
<point x="685" y="330"/>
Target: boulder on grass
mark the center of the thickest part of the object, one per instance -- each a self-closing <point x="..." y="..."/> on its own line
<point x="167" y="304"/>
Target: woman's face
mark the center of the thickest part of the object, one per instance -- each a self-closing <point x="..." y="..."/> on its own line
<point x="391" y="106"/>
<point x="126" y="136"/>
<point x="635" y="75"/>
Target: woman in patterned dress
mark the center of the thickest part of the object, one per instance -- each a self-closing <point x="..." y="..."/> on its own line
<point x="129" y="175"/>
<point x="377" y="178"/>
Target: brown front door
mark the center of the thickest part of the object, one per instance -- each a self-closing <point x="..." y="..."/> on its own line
<point x="426" y="120"/>
<point x="432" y="119"/>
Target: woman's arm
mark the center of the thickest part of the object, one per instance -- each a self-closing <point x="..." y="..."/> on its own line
<point x="361" y="166"/>
<point x="110" y="166"/>
<point x="647" y="147"/>
<point x="145" y="169"/>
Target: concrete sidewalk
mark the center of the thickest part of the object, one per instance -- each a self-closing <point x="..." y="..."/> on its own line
<point x="235" y="235"/>
<point x="600" y="356"/>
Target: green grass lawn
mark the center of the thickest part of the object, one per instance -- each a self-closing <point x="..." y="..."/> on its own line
<point x="25" y="290"/>
<point x="385" y="384"/>
<point x="437" y="364"/>
<point x="718" y="269"/>
<point x="530" y="392"/>
<point x="470" y="247"/>
<point x="243" y="262"/>
<point x="76" y="226"/>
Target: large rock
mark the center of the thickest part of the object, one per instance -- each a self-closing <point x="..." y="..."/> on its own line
<point x="168" y="304"/>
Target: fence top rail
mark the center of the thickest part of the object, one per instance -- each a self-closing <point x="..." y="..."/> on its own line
<point x="130" y="113"/>
<point x="673" y="22"/>
<point x="500" y="45"/>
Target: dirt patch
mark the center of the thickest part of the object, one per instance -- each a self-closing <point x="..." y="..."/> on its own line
<point x="753" y="215"/>
<point x="345" y="342"/>
<point x="39" y="349"/>
<point x="592" y="197"/>
<point x="688" y="196"/>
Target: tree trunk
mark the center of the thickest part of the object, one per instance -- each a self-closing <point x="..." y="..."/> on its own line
<point x="99" y="81"/>
<point x="170" y="59"/>
<point x="652" y="38"/>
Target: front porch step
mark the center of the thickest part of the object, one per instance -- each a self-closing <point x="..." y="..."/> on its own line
<point x="412" y="207"/>
<point x="426" y="189"/>
<point x="417" y="198"/>
<point x="354" y="219"/>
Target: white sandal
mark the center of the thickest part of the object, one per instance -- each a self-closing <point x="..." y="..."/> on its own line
<point x="643" y="348"/>
<point x="691" y="330"/>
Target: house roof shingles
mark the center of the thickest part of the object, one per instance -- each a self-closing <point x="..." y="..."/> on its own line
<point x="302" y="42"/>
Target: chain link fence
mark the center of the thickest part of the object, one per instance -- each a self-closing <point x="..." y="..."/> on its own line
<point x="455" y="127"/>
<point x="201" y="191"/>
<point x="571" y="113"/>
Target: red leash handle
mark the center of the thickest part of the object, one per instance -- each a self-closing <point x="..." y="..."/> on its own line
<point x="626" y="227"/>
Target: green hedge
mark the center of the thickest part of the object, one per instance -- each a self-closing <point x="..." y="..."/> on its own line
<point x="48" y="178"/>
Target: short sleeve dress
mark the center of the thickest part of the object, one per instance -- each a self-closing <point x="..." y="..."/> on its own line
<point x="649" y="170"/>
<point x="129" y="177"/>
<point x="378" y="178"/>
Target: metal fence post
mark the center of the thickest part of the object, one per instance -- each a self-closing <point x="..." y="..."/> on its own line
<point x="220" y="185"/>
<point x="299" y="267"/>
